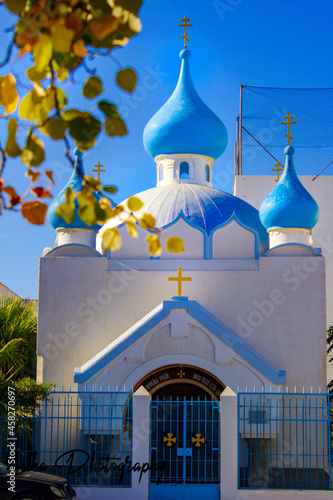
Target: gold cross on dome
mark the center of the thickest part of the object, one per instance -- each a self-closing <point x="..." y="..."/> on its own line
<point x="288" y="122"/>
<point x="198" y="440"/>
<point x="168" y="439"/>
<point x="185" y="26"/>
<point x="179" y="279"/>
<point x="277" y="170"/>
<point x="181" y="374"/>
<point x="99" y="170"/>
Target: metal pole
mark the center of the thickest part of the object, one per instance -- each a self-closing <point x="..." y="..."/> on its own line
<point x="240" y="170"/>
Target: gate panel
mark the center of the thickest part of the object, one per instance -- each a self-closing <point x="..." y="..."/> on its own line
<point x="185" y="436"/>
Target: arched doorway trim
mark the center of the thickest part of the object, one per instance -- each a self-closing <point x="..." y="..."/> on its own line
<point x="180" y="373"/>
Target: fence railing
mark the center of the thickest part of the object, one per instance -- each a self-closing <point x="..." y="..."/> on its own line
<point x="85" y="436"/>
<point x="285" y="440"/>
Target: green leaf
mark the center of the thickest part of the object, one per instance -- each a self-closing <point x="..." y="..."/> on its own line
<point x="35" y="76"/>
<point x="109" y="189"/>
<point x="33" y="153"/>
<point x="84" y="130"/>
<point x="56" y="128"/>
<point x="134" y="204"/>
<point x="111" y="239"/>
<point x="12" y="149"/>
<point x="50" y="101"/>
<point x="67" y="209"/>
<point x="126" y="79"/>
<point x="130" y="5"/>
<point x="93" y="87"/>
<point x="115" y="127"/>
<point x="72" y="113"/>
<point x="108" y="108"/>
<point x="175" y="245"/>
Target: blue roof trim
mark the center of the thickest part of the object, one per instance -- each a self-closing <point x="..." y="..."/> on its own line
<point x="181" y="215"/>
<point x="74" y="245"/>
<point x="203" y="316"/>
<point x="240" y="223"/>
<point x="316" y="252"/>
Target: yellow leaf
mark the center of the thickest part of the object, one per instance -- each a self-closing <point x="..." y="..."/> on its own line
<point x="111" y="239"/>
<point x="62" y="38"/>
<point x="62" y="74"/>
<point x="8" y="94"/>
<point x="154" y="245"/>
<point x="79" y="48"/>
<point x="132" y="230"/>
<point x="126" y="79"/>
<point x="34" y="212"/>
<point x="147" y="221"/>
<point x="175" y="245"/>
<point x="42" y="53"/>
<point x="27" y="109"/>
<point x="134" y="204"/>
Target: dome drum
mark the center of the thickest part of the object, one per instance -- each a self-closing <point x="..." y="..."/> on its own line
<point x="185" y="168"/>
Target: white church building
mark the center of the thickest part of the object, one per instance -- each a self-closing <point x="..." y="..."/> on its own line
<point x="212" y="341"/>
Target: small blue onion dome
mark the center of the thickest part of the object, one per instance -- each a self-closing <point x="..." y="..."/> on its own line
<point x="76" y="183"/>
<point x="185" y="124"/>
<point x="289" y="204"/>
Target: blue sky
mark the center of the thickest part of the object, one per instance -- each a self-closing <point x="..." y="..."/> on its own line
<point x="285" y="43"/>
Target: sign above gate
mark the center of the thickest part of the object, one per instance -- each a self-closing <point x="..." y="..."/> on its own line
<point x="182" y="374"/>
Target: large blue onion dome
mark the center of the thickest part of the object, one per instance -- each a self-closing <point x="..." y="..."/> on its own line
<point x="289" y="204"/>
<point x="76" y="183"/>
<point x="203" y="206"/>
<point x="185" y="124"/>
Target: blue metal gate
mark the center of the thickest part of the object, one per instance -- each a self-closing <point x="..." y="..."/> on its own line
<point x="185" y="449"/>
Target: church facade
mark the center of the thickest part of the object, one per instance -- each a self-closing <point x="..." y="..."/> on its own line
<point x="241" y="309"/>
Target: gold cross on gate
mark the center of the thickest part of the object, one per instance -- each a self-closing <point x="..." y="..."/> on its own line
<point x="185" y="25"/>
<point x="181" y="374"/>
<point x="168" y="439"/>
<point x="288" y="122"/>
<point x="179" y="279"/>
<point x="277" y="170"/>
<point x="99" y="170"/>
<point x="198" y="440"/>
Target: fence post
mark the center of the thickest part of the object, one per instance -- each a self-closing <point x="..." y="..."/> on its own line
<point x="141" y="442"/>
<point x="229" y="444"/>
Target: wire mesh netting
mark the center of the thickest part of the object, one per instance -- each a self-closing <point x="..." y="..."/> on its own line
<point x="264" y="108"/>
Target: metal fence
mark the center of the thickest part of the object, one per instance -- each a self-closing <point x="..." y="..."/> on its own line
<point x="260" y="133"/>
<point x="285" y="440"/>
<point x="85" y="436"/>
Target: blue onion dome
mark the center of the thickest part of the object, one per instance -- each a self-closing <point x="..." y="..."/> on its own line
<point x="203" y="206"/>
<point x="185" y="124"/>
<point x="76" y="183"/>
<point x="289" y="204"/>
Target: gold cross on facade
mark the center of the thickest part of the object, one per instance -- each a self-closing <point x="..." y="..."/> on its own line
<point x="179" y="279"/>
<point x="277" y="170"/>
<point x="99" y="170"/>
<point x="288" y="122"/>
<point x="185" y="25"/>
<point x="168" y="439"/>
<point x="181" y="374"/>
<point x="198" y="440"/>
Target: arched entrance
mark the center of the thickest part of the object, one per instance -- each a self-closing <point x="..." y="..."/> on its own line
<point x="185" y="433"/>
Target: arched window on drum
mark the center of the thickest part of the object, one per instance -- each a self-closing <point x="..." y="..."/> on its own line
<point x="184" y="170"/>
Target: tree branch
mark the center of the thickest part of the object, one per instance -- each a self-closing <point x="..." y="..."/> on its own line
<point x="9" y="52"/>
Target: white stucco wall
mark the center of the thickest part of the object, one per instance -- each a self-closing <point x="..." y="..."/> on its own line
<point x="254" y="189"/>
<point x="278" y="307"/>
